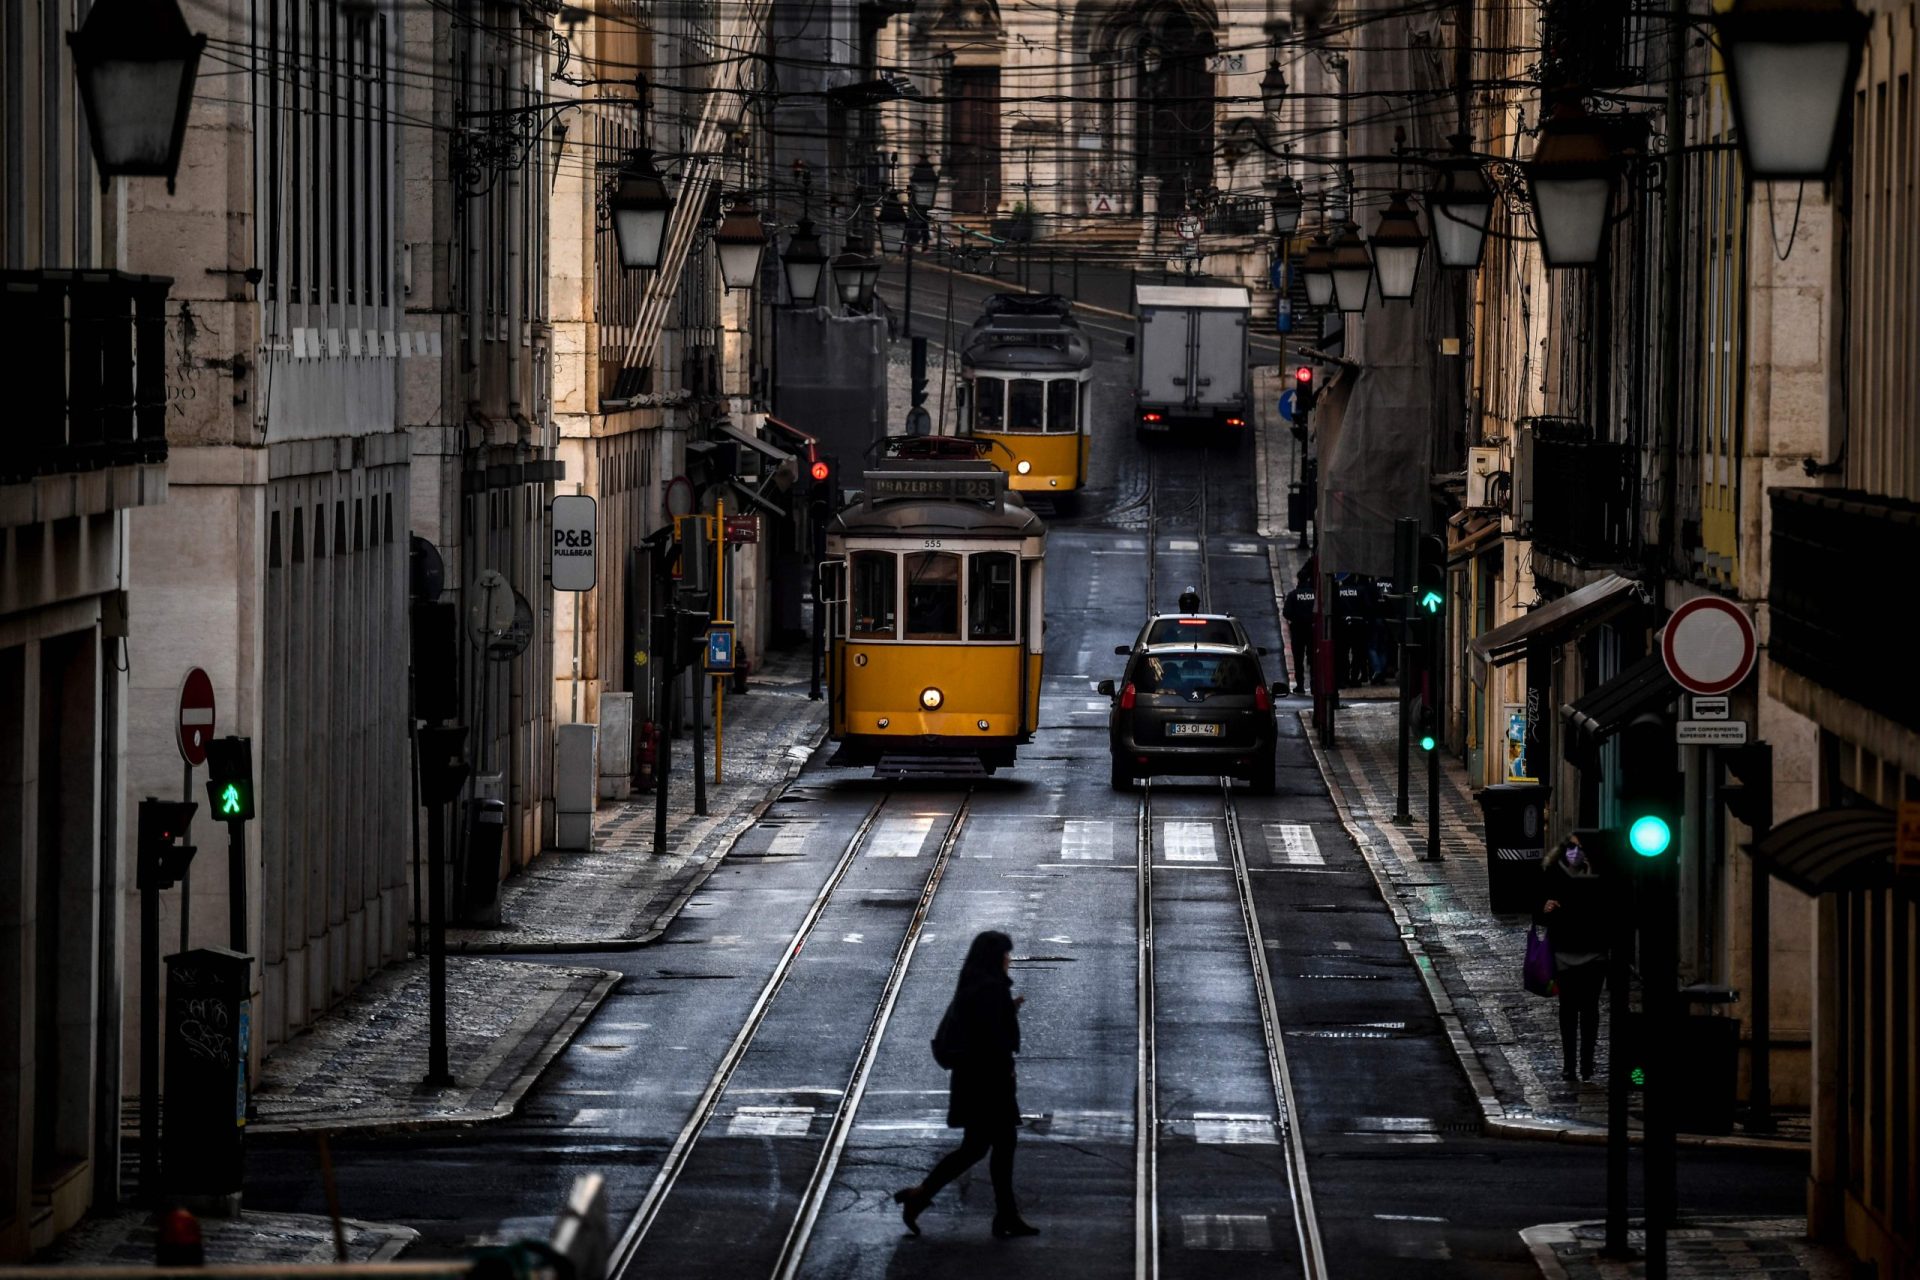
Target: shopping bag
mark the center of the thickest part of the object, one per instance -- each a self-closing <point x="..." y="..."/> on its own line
<point x="1538" y="970"/>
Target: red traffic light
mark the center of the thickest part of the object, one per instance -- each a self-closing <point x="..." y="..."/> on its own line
<point x="1303" y="375"/>
<point x="820" y="471"/>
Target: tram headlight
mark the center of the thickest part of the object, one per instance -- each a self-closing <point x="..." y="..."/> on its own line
<point x="1023" y="466"/>
<point x="931" y="699"/>
<point x="982" y="724"/>
<point x="1054" y="483"/>
<point x="883" y="722"/>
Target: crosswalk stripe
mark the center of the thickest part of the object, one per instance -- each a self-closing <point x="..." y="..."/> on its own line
<point x="1293" y="843"/>
<point x="1190" y="842"/>
<point x="1086" y="840"/>
<point x="792" y="837"/>
<point x="900" y="837"/>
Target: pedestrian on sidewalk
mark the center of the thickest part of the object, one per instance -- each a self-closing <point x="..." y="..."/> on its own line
<point x="1572" y="911"/>
<point x="1297" y="610"/>
<point x="977" y="1039"/>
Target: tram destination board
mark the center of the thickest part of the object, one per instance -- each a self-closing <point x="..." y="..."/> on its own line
<point x="933" y="486"/>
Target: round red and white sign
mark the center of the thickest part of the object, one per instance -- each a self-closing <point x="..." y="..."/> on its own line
<point x="196" y="716"/>
<point x="1708" y="645"/>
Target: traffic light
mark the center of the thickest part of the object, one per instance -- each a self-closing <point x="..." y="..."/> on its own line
<point x="690" y="635"/>
<point x="1749" y="797"/>
<point x="230" y="779"/>
<point x="164" y="852"/>
<point x="1430" y="588"/>
<point x="1649" y="785"/>
<point x="443" y="763"/>
<point x="1426" y="737"/>
<point x="1303" y="400"/>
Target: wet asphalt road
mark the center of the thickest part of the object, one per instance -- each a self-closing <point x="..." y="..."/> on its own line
<point x="835" y="931"/>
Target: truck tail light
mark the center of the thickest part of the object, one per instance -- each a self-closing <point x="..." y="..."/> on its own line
<point x="1149" y="417"/>
<point x="1236" y="422"/>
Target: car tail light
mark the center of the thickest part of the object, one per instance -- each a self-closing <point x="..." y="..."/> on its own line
<point x="1126" y="697"/>
<point x="1149" y="417"/>
<point x="1262" y="698"/>
<point x="1236" y="422"/>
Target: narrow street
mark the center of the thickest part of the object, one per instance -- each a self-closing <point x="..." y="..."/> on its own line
<point x="759" y="1083"/>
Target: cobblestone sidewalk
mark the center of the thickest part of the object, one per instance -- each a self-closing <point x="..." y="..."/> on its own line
<point x="620" y="895"/>
<point x="1507" y="1040"/>
<point x="1767" y="1248"/>
<point x="361" y="1066"/>
<point x="253" y="1239"/>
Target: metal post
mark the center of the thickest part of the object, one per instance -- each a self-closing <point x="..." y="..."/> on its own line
<point x="669" y="681"/>
<point x="1401" y="815"/>
<point x="1434" y="852"/>
<point x="1760" y="994"/>
<point x="413" y="787"/>
<point x="149" y="1041"/>
<point x="1406" y="551"/>
<point x="186" y="873"/>
<point x="237" y="886"/>
<point x="1619" y="1018"/>
<point x="720" y="612"/>
<point x="1659" y="926"/>
<point x="437" y="1072"/>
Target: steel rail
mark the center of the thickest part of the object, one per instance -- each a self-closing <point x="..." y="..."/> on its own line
<point x="1146" y="1106"/>
<point x="1307" y="1225"/>
<point x="678" y="1154"/>
<point x="793" y="1249"/>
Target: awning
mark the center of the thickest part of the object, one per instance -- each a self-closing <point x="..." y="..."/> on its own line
<point x="734" y="433"/>
<point x="1833" y="850"/>
<point x="1557" y="621"/>
<point x="1601" y="712"/>
<point x="1467" y="534"/>
<point x="754" y="499"/>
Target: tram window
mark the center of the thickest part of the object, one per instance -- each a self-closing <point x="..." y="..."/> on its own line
<point x="989" y="404"/>
<point x="990" y="595"/>
<point x="873" y="595"/>
<point x="1026" y="405"/>
<point x="933" y="596"/>
<point x="1060" y="405"/>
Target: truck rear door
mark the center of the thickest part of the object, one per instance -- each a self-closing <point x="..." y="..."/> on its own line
<point x="1220" y="359"/>
<point x="1164" y="339"/>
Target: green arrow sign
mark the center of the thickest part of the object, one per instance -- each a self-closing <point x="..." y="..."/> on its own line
<point x="230" y="799"/>
<point x="1431" y="602"/>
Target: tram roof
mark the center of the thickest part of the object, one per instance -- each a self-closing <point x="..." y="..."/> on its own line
<point x="884" y="507"/>
<point x="1027" y="333"/>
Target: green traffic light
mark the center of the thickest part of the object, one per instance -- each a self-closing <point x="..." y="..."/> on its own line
<point x="1639" y="1076"/>
<point x="1649" y="836"/>
<point x="230" y="799"/>
<point x="1431" y="601"/>
<point x="1426" y="742"/>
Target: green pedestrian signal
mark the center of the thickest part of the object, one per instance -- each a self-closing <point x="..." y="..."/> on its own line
<point x="230" y="779"/>
<point x="230" y="800"/>
<point x="1649" y="835"/>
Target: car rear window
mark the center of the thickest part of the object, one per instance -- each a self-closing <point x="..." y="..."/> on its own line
<point x="1198" y="673"/>
<point x="1191" y="631"/>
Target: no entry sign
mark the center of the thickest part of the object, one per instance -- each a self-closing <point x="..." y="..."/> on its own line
<point x="195" y="721"/>
<point x="1708" y="645"/>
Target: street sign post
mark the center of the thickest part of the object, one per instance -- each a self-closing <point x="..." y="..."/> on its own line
<point x="1710" y="733"/>
<point x="574" y="562"/>
<point x="196" y="717"/>
<point x="1708" y="645"/>
<point x="743" y="529"/>
<point x="719" y="655"/>
<point x="1710" y="708"/>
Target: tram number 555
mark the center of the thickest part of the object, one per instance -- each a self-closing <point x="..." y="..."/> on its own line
<point x="931" y="544"/>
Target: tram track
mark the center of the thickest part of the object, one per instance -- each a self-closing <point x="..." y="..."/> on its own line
<point x="627" y="1250"/>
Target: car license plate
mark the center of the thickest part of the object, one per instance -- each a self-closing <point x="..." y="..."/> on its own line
<point x="1193" y="731"/>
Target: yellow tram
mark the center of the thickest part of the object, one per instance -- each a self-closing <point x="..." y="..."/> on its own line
<point x="934" y="584"/>
<point x="1027" y="370"/>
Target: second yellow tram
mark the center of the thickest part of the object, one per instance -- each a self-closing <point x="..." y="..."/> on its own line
<point x="1027" y="370"/>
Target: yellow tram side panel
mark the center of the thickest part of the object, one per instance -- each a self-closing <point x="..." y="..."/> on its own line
<point x="976" y="682"/>
<point x="1058" y="460"/>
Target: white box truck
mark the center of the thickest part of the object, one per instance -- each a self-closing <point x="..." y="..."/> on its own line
<point x="1190" y="358"/>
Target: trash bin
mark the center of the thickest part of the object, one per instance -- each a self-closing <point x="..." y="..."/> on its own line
<point x="1515" y="814"/>
<point x="1706" y="1062"/>
<point x="486" y="832"/>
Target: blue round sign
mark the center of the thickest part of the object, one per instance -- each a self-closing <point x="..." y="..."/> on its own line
<point x="1286" y="404"/>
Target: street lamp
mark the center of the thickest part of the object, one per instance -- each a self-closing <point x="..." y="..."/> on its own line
<point x="640" y="208"/>
<point x="1317" y="269"/>
<point x="855" y="272"/>
<point x="135" y="62"/>
<point x="741" y="241"/>
<point x="1571" y="178"/>
<point x="1286" y="208"/>
<point x="1790" y="66"/>
<point x="1459" y="206"/>
<point x="1351" y="268"/>
<point x="1273" y="88"/>
<point x="803" y="263"/>
<point x="1397" y="245"/>
<point x="893" y="224"/>
<point x="923" y="184"/>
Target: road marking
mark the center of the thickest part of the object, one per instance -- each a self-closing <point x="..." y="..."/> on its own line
<point x="1243" y="549"/>
<point x="1223" y="1129"/>
<point x="1407" y="1217"/>
<point x="899" y="837"/>
<point x="1189" y="842"/>
<point x="855" y="938"/>
<point x="770" y="1122"/>
<point x="792" y="836"/>
<point x="1182" y="544"/>
<point x="1235" y="1232"/>
<point x="1293" y="843"/>
<point x="1086" y="840"/>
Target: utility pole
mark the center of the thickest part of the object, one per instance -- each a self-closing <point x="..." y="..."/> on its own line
<point x="1406" y="537"/>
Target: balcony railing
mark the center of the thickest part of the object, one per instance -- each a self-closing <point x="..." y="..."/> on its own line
<point x="1582" y="495"/>
<point x="90" y="373"/>
<point x="1834" y="587"/>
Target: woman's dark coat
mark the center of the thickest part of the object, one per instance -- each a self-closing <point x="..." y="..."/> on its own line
<point x="1579" y="925"/>
<point x="983" y="1034"/>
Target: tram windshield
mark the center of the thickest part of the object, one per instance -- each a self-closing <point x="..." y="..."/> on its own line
<point x="872" y="590"/>
<point x="933" y="596"/>
<point x="989" y="405"/>
<point x="1026" y="405"/>
<point x="1060" y="415"/>
<point x="990" y="595"/>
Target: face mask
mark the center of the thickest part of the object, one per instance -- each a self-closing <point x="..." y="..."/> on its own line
<point x="1573" y="857"/>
